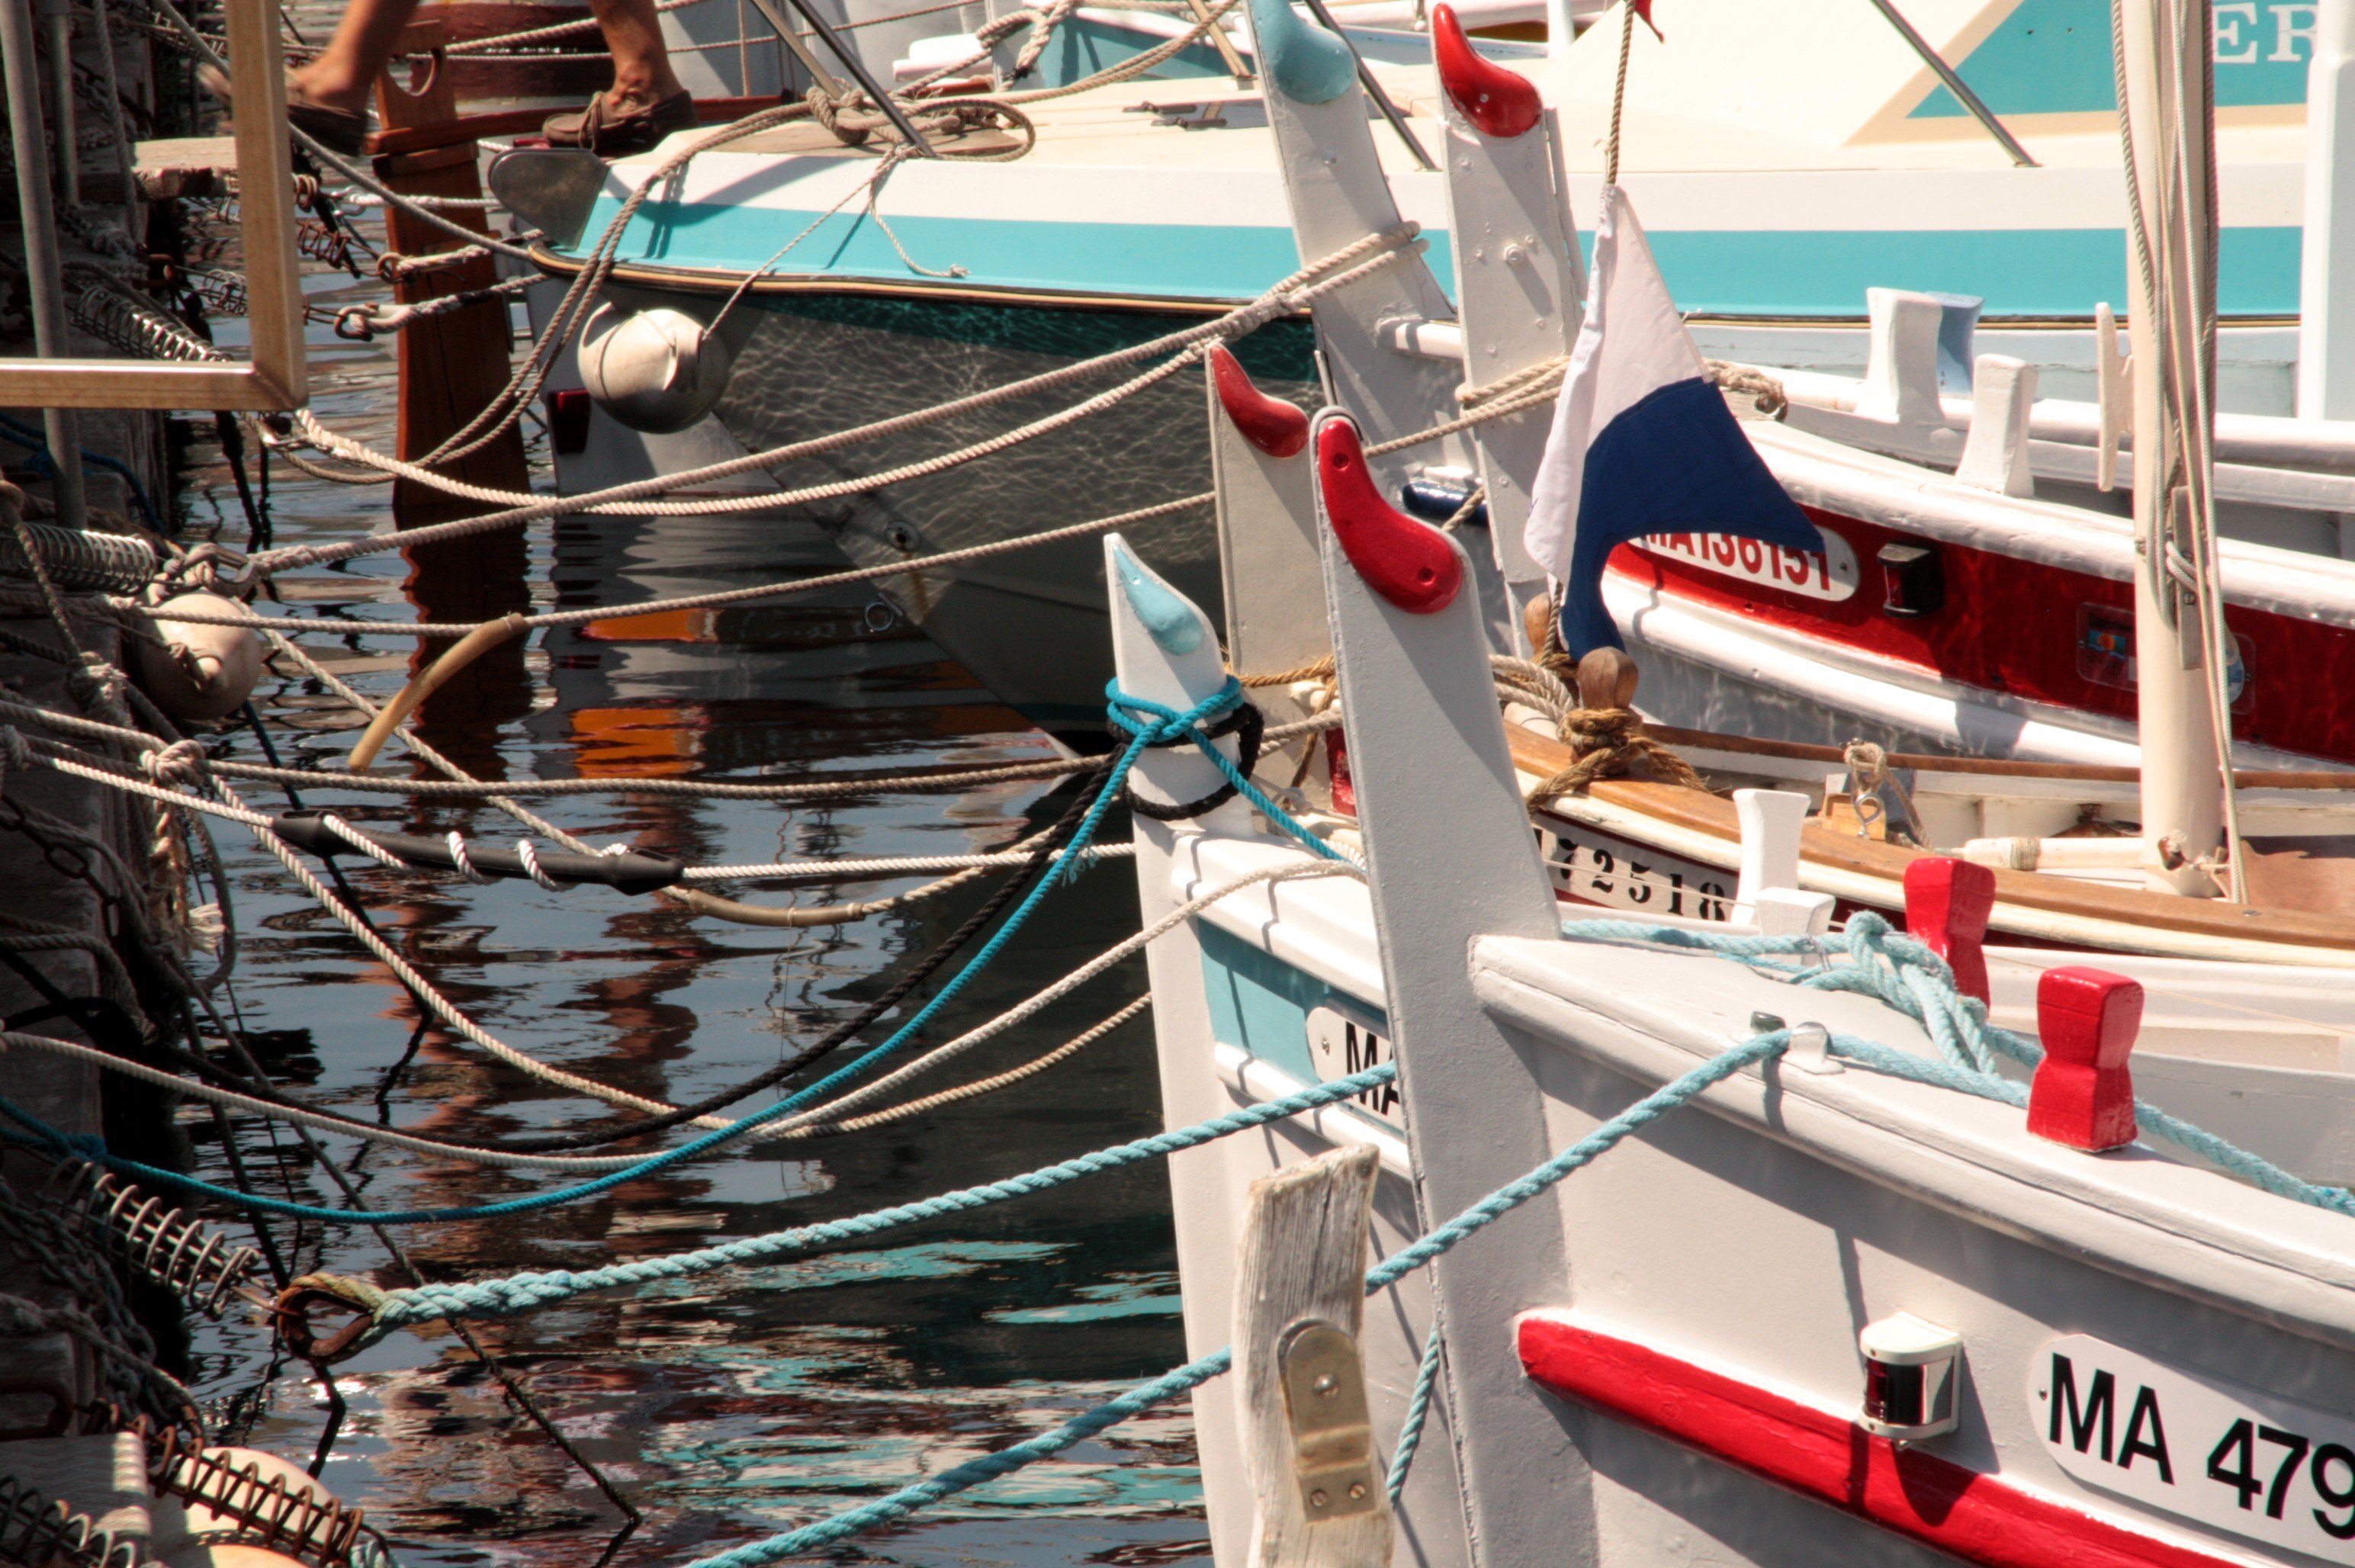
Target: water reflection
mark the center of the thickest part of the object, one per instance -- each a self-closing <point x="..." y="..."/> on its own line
<point x="738" y="1403"/>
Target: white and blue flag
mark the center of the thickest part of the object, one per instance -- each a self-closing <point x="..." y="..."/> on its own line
<point x="1642" y="442"/>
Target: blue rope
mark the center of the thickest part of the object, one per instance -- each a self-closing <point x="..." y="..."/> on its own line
<point x="1418" y="1408"/>
<point x="1193" y="1374"/>
<point x="1171" y="724"/>
<point x="1174" y="725"/>
<point x="522" y="1292"/>
<point x="42" y="463"/>
<point x="1904" y="973"/>
<point x="810" y="1537"/>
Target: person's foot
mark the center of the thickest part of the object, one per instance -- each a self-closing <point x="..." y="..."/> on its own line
<point x="341" y="131"/>
<point x="612" y="129"/>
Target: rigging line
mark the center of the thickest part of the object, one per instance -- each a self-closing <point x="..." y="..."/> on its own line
<point x="279" y="1106"/>
<point x="1285" y="297"/>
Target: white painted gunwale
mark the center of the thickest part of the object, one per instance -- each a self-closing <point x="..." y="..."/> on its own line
<point x="2174" y="1227"/>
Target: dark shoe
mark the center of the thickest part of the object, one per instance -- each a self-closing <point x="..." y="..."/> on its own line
<point x="611" y="135"/>
<point x="341" y="131"/>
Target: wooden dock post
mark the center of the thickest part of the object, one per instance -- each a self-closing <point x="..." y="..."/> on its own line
<point x="1300" y="1300"/>
<point x="451" y="367"/>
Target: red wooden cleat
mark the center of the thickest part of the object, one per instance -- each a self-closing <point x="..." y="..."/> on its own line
<point x="2084" y="1093"/>
<point x="1947" y="902"/>
<point x="1502" y="103"/>
<point x="1408" y="563"/>
<point x="1275" y="426"/>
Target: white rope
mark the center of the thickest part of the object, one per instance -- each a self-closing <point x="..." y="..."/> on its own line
<point x="803" y="1122"/>
<point x="457" y="842"/>
<point x="275" y="626"/>
<point x="531" y="858"/>
<point x="1290" y="294"/>
<point x="441" y="1006"/>
<point x="889" y="867"/>
<point x="986" y="1086"/>
<point x="362" y="842"/>
<point x="300" y="1116"/>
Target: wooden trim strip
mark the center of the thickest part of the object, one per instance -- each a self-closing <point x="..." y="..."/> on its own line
<point x="1700" y="812"/>
<point x="683" y="280"/>
<point x="1831" y="1459"/>
<point x="527" y="121"/>
<point x="2083" y="773"/>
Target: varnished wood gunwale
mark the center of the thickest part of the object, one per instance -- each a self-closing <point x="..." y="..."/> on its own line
<point x="1695" y="811"/>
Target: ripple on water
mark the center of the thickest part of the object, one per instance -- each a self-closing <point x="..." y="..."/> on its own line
<point x="738" y="1403"/>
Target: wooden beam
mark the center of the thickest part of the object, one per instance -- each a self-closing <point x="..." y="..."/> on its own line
<point x="273" y="267"/>
<point x="277" y="377"/>
<point x="1300" y="1300"/>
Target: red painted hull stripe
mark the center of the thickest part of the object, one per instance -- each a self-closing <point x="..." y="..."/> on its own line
<point x="1976" y="1517"/>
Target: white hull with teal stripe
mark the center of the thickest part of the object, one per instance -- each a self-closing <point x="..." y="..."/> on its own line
<point x="1785" y="158"/>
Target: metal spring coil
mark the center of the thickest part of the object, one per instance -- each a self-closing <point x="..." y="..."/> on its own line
<point x="223" y="293"/>
<point x="137" y="328"/>
<point x="271" y="1513"/>
<point x="36" y="1533"/>
<point x="181" y="1254"/>
<point x="76" y="559"/>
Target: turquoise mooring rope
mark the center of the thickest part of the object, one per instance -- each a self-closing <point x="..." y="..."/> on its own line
<point x="1904" y="973"/>
<point x="1418" y="1409"/>
<point x="835" y="1527"/>
<point x="516" y="1293"/>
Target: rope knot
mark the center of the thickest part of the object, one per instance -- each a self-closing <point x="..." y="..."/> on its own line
<point x="831" y="112"/>
<point x="289" y="1315"/>
<point x="181" y="762"/>
<point x="1610" y="742"/>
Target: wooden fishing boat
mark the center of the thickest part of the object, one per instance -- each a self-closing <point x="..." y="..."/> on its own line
<point x="1847" y="1304"/>
<point x="1147" y="203"/>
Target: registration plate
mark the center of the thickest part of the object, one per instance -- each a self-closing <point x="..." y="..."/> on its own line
<point x="1344" y="1043"/>
<point x="2197" y="1446"/>
<point x="1598" y="868"/>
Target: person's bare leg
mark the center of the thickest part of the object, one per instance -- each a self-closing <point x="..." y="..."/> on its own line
<point x="642" y="73"/>
<point x="345" y="72"/>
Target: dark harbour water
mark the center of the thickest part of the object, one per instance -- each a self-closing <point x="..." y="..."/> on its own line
<point x="736" y="1404"/>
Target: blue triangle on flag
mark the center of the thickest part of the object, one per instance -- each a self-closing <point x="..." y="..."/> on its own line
<point x="1675" y="460"/>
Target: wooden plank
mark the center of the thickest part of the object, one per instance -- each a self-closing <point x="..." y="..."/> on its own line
<point x="134" y="384"/>
<point x="273" y="270"/>
<point x="1302" y="1276"/>
<point x="1268" y="560"/>
<point x="527" y="121"/>
<point x="276" y="378"/>
<point x="452" y="366"/>
<point x="1698" y="812"/>
<point x="1206" y="1188"/>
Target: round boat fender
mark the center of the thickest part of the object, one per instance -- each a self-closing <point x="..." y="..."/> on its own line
<point x="198" y="671"/>
<point x="191" y="1535"/>
<point x="654" y="370"/>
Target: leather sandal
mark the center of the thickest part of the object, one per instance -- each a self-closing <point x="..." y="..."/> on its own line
<point x="341" y="131"/>
<point x="608" y="135"/>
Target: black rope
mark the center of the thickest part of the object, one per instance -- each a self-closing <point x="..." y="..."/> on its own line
<point x="1246" y="723"/>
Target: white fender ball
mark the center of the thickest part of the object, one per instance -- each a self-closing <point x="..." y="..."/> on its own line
<point x="198" y="671"/>
<point x="654" y="370"/>
<point x="190" y="1535"/>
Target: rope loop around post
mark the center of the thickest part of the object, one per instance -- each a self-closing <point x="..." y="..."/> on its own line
<point x="1151" y="724"/>
<point x="1244" y="720"/>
